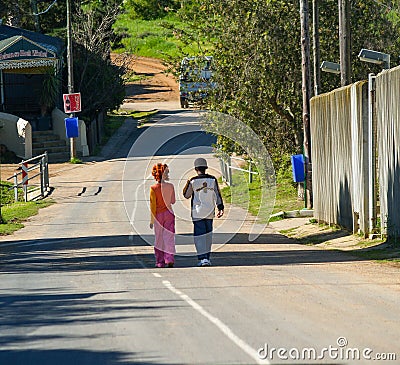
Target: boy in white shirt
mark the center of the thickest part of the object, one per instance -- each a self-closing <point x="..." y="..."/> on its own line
<point x="205" y="195"/>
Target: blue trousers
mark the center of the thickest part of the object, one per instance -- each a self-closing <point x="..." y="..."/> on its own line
<point x="203" y="237"/>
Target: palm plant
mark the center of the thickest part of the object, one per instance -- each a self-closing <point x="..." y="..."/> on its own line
<point x="50" y="90"/>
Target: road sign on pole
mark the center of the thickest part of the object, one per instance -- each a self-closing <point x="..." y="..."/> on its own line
<point x="72" y="103"/>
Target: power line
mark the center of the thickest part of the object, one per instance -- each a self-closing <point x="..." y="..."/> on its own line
<point x="45" y="11"/>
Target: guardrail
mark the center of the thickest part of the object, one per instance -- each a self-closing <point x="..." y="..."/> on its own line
<point x="225" y="161"/>
<point x="40" y="163"/>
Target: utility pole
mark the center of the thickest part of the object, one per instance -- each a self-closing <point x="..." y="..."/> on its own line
<point x="1" y="195"/>
<point x="306" y="89"/>
<point x="316" y="52"/>
<point x="35" y="15"/>
<point x="70" y="66"/>
<point x="345" y="42"/>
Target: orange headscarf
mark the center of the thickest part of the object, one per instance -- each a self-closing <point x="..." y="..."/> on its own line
<point x="158" y="171"/>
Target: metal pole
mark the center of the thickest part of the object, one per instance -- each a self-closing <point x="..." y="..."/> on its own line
<point x="70" y="65"/>
<point x="229" y="170"/>
<point x="35" y="15"/>
<point x="41" y="177"/>
<point x="250" y="174"/>
<point x="371" y="154"/>
<point x="306" y="88"/>
<point x="15" y="187"/>
<point x="2" y="90"/>
<point x="1" y="196"/>
<point x="344" y="42"/>
<point x="46" y="171"/>
<point x="386" y="64"/>
<point x="316" y="52"/>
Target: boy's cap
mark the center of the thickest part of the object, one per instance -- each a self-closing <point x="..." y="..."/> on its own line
<point x="200" y="162"/>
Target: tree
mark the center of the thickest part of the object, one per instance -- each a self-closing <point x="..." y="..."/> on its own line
<point x="371" y="27"/>
<point x="256" y="47"/>
<point x="96" y="77"/>
<point x="258" y="67"/>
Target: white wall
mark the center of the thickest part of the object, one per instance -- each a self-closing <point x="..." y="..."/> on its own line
<point x="58" y="118"/>
<point x="21" y="145"/>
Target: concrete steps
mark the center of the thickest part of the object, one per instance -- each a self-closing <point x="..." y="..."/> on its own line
<point x="57" y="149"/>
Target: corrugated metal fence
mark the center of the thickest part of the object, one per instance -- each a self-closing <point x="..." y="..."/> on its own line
<point x="349" y="127"/>
<point x="338" y="123"/>
<point x="388" y="125"/>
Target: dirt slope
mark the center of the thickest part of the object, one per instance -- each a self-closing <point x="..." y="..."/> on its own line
<point x="154" y="84"/>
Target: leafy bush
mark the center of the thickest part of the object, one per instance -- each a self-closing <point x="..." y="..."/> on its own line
<point x="149" y="9"/>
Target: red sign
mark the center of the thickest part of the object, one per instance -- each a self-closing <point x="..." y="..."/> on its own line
<point x="72" y="103"/>
<point x="24" y="173"/>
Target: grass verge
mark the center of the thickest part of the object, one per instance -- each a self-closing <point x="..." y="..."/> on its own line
<point x="16" y="213"/>
<point x="379" y="251"/>
<point x="7" y="194"/>
<point x="248" y="195"/>
<point x="335" y="238"/>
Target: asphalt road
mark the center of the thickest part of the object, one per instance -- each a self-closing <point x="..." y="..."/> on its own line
<point x="78" y="283"/>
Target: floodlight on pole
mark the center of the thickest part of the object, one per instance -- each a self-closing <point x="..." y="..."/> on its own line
<point x="378" y="58"/>
<point x="331" y="67"/>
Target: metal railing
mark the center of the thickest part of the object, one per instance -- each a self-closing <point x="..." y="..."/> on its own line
<point x="22" y="178"/>
<point x="225" y="161"/>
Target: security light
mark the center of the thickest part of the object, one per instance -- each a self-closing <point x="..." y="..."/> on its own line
<point x="378" y="58"/>
<point x="331" y="67"/>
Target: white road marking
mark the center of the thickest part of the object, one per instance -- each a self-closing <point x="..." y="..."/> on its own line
<point x="217" y="322"/>
<point x="157" y="275"/>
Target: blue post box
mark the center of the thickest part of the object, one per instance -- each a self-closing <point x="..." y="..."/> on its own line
<point x="298" y="168"/>
<point x="71" y="127"/>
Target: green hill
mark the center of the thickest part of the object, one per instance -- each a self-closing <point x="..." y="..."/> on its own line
<point x="158" y="38"/>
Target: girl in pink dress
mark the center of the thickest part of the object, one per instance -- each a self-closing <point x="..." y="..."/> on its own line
<point x="162" y="196"/>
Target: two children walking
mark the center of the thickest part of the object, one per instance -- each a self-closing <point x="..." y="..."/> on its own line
<point x="205" y="195"/>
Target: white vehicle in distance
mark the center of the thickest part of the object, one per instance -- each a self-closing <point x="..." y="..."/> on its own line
<point x="195" y="80"/>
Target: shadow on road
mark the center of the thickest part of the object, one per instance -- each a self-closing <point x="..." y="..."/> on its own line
<point x="320" y="237"/>
<point x="141" y="91"/>
<point x="117" y="253"/>
<point x="68" y="357"/>
<point x="185" y="142"/>
<point x="21" y="316"/>
<point x="22" y="313"/>
<point x="120" y="145"/>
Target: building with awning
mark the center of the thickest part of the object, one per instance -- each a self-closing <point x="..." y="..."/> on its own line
<point x="31" y="117"/>
<point x="25" y="58"/>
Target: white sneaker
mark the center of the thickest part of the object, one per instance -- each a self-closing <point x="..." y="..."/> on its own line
<point x="205" y="262"/>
